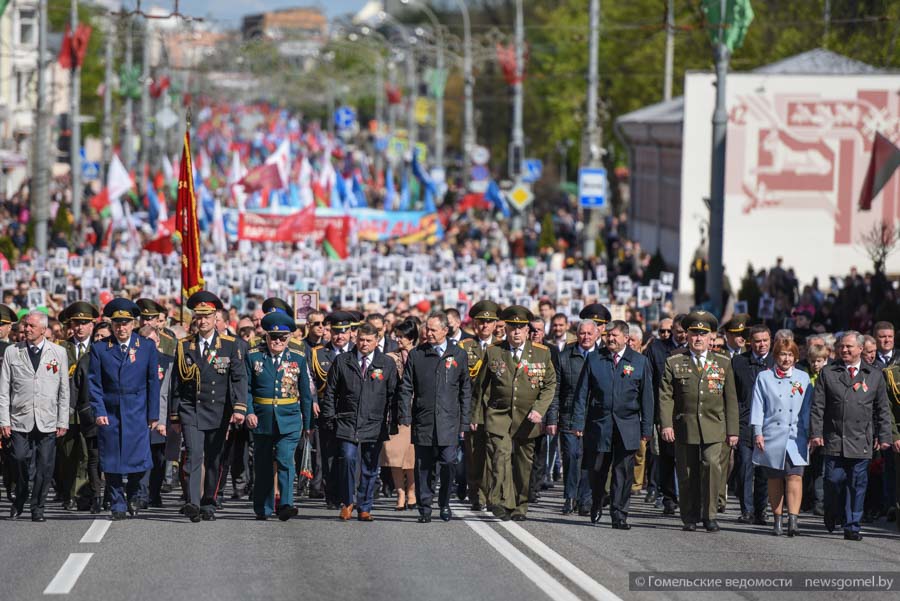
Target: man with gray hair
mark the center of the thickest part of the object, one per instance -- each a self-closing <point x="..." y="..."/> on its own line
<point x="850" y="396"/>
<point x="34" y="410"/>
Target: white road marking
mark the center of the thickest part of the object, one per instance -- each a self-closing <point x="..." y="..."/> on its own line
<point x="544" y="581"/>
<point x="96" y="532"/>
<point x="583" y="581"/>
<point x="68" y="574"/>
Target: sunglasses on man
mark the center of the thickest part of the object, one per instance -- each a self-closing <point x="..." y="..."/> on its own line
<point x="278" y="337"/>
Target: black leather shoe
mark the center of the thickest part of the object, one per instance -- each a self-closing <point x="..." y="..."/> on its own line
<point x="623" y="525"/>
<point x="192" y="511"/>
<point x="142" y="504"/>
<point x="118" y="516"/>
<point x="518" y="517"/>
<point x="69" y="505"/>
<point x="446" y="514"/>
<point x="218" y="502"/>
<point x="156" y="504"/>
<point x="596" y="511"/>
<point x="689" y="527"/>
<point x="133" y="508"/>
<point x="651" y="497"/>
<point x="745" y="518"/>
<point x="330" y="505"/>
<point x="38" y="517"/>
<point x="830" y="523"/>
<point x="852" y="535"/>
<point x="425" y="518"/>
<point x="208" y="516"/>
<point x="96" y="505"/>
<point x="477" y="507"/>
<point x="584" y="510"/>
<point x="711" y="526"/>
<point x="286" y="512"/>
<point x="14" y="513"/>
<point x="236" y="494"/>
<point x="261" y="517"/>
<point x="760" y="520"/>
<point x="668" y="509"/>
<point x="567" y="507"/>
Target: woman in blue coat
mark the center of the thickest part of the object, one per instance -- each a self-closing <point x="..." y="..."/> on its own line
<point x="124" y="387"/>
<point x="779" y="416"/>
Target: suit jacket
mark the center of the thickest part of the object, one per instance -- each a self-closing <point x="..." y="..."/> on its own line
<point x="124" y="388"/>
<point x="849" y="414"/>
<point x="32" y="398"/>
<point x="568" y="365"/>
<point x="701" y="405"/>
<point x="443" y="393"/>
<point x="657" y="352"/>
<point x="361" y="407"/>
<point x="610" y="395"/>
<point x="745" y="369"/>
<point x="205" y="390"/>
<point x="894" y="360"/>
<point x="506" y="392"/>
<point x="290" y="380"/>
<point x="390" y="345"/>
<point x="322" y="358"/>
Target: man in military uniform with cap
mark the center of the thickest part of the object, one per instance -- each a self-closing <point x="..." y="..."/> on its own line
<point x="73" y="449"/>
<point x="279" y="406"/>
<point x="476" y="471"/>
<point x="735" y="331"/>
<point x="514" y="390"/>
<point x="325" y="479"/>
<point x="7" y="319"/>
<point x="209" y="385"/>
<point x="699" y="413"/>
<point x="600" y="315"/>
<point x="154" y="314"/>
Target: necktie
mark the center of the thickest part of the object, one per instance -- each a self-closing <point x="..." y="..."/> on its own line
<point x="124" y="348"/>
<point x="205" y="346"/>
<point x="363" y="364"/>
<point x="616" y="360"/>
<point x="852" y="371"/>
<point x="277" y="362"/>
<point x="80" y="350"/>
<point x="699" y="361"/>
<point x="516" y="354"/>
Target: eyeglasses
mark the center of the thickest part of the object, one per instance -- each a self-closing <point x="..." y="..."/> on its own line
<point x="278" y="337"/>
<point x="669" y="331"/>
<point x="315" y="324"/>
<point x="716" y="347"/>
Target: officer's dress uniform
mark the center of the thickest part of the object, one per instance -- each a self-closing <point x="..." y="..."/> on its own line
<point x="697" y="398"/>
<point x="278" y="394"/>
<point x="124" y="387"/>
<point x="72" y="449"/>
<point x="508" y="389"/>
<point x="208" y="384"/>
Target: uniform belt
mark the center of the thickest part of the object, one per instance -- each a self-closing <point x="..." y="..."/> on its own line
<point x="262" y="401"/>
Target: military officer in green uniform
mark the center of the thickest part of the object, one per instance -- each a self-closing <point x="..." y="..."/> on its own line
<point x="514" y="390"/>
<point x="699" y="413"/>
<point x="7" y="318"/>
<point x="891" y="376"/>
<point x="279" y="406"/>
<point x="734" y="330"/>
<point x="72" y="449"/>
<point x="154" y="314"/>
<point x="477" y="473"/>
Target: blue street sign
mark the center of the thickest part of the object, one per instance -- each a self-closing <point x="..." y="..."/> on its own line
<point x="90" y="171"/>
<point x="531" y="170"/>
<point x="344" y="117"/>
<point x="480" y="172"/>
<point x="592" y="186"/>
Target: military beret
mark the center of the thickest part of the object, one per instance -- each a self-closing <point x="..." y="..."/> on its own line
<point x="700" y="321"/>
<point x="276" y="304"/>
<point x="737" y="324"/>
<point x="79" y="311"/>
<point x="204" y="302"/>
<point x="278" y="321"/>
<point x="485" y="309"/>
<point x="149" y="308"/>
<point x="121" y="309"/>
<point x="516" y="314"/>
<point x="339" y="320"/>
<point x="596" y="313"/>
<point x="7" y="315"/>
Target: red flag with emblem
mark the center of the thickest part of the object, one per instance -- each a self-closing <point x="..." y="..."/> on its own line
<point x="187" y="226"/>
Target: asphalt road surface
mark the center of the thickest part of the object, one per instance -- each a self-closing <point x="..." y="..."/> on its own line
<point x="161" y="555"/>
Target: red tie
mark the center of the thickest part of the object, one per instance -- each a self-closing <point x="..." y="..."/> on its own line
<point x="852" y="371"/>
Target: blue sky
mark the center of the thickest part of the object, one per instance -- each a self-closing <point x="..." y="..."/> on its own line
<point x="233" y="10"/>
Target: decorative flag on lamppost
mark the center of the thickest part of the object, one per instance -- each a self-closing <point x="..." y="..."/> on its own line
<point x="738" y="16"/>
<point x="437" y="81"/>
<point x="187" y="226"/>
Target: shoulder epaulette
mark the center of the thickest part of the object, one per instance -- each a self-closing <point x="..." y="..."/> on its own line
<point x="466" y="341"/>
<point x="165" y="334"/>
<point x="498" y="343"/>
<point x="721" y="355"/>
<point x="539" y="345"/>
<point x="226" y="337"/>
<point x="186" y="338"/>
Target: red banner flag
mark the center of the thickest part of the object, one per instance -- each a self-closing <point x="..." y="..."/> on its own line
<point x="884" y="162"/>
<point x="262" y="177"/>
<point x="187" y="226"/>
<point x="74" y="46"/>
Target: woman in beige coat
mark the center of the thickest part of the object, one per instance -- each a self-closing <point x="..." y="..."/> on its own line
<point x="398" y="453"/>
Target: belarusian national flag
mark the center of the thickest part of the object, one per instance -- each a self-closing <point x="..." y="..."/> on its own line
<point x="884" y="162"/>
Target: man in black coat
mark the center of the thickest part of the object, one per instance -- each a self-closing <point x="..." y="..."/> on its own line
<point x="360" y="407"/>
<point x="437" y="376"/>
<point x="883" y="332"/>
<point x="613" y="411"/>
<point x="209" y="383"/>
<point x="850" y="417"/>
<point x="752" y="485"/>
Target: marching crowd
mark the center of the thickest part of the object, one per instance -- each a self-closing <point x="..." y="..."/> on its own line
<point x="490" y="407"/>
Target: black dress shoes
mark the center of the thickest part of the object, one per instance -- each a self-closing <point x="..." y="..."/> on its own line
<point x="745" y="518"/>
<point x="668" y="508"/>
<point x="518" y="517"/>
<point x="286" y="512"/>
<point x="711" y="526"/>
<point x="477" y="506"/>
<point x="118" y="516"/>
<point x="596" y="511"/>
<point x="425" y="517"/>
<point x="38" y="517"/>
<point x="689" y="527"/>
<point x="133" y="508"/>
<point x="651" y="497"/>
<point x="760" y="520"/>
<point x="622" y="525"/>
<point x="14" y="513"/>
<point x="567" y="507"/>
<point x="446" y="514"/>
<point x="830" y="523"/>
<point x="209" y="516"/>
<point x="852" y="535"/>
<point x="261" y="517"/>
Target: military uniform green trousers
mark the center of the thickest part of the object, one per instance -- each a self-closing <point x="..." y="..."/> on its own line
<point x="510" y="465"/>
<point x="71" y="465"/>
<point x="699" y="469"/>
<point x="723" y="481"/>
<point x="478" y="472"/>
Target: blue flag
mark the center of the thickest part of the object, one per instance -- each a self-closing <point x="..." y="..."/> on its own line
<point x="389" y="192"/>
<point x="404" y="191"/>
<point x="152" y="206"/>
<point x="359" y="193"/>
<point x="493" y="195"/>
<point x="426" y="181"/>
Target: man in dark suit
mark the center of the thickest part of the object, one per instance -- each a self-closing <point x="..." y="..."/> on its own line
<point x="325" y="480"/>
<point x="577" y="491"/>
<point x="360" y="407"/>
<point x="386" y="344"/>
<point x="849" y="417"/>
<point x="883" y="332"/>
<point x="456" y="332"/>
<point x="209" y="383"/>
<point x="613" y="412"/>
<point x="751" y="480"/>
<point x="437" y="376"/>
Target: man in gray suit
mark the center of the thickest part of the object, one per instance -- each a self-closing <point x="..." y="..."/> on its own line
<point x="34" y="410"/>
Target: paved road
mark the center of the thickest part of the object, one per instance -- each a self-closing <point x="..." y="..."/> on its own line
<point x="474" y="557"/>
